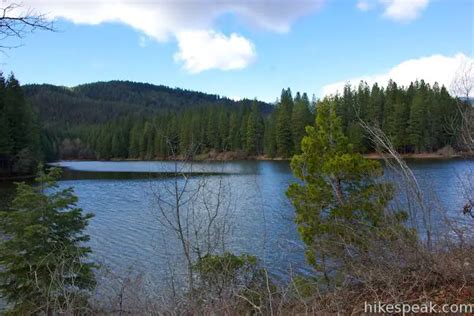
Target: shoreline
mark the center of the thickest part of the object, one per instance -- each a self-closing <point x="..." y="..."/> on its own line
<point x="229" y="157"/>
<point x="421" y="156"/>
<point x="17" y="177"/>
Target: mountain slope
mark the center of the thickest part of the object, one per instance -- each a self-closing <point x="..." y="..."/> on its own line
<point x="101" y="102"/>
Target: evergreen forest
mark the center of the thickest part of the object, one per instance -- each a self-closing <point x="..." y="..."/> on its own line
<point x="128" y="120"/>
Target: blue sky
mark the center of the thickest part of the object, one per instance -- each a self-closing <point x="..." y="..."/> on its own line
<point x="243" y="49"/>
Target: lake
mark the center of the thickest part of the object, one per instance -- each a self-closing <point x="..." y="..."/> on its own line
<point x="126" y="233"/>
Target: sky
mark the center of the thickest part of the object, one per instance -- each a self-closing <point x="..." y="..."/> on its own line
<point x="246" y="48"/>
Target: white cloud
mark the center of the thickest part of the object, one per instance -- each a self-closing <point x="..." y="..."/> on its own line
<point x="363" y="5"/>
<point x="204" y="50"/>
<point x="160" y="19"/>
<point x="435" y="68"/>
<point x="397" y="10"/>
<point x="404" y="10"/>
<point x="165" y="19"/>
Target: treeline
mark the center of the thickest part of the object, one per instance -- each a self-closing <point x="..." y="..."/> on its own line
<point x="417" y="118"/>
<point x="245" y="128"/>
<point x="127" y="120"/>
<point x="21" y="140"/>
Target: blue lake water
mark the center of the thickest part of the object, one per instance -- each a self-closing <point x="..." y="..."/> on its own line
<point x="125" y="232"/>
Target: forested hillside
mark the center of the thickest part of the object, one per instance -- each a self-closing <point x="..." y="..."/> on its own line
<point x="103" y="101"/>
<point x="418" y="118"/>
<point x="127" y="120"/>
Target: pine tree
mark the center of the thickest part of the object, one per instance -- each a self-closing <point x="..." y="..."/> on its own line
<point x="223" y="127"/>
<point x="43" y="259"/>
<point x="284" y="138"/>
<point x="391" y="98"/>
<point x="375" y="109"/>
<point x="449" y="118"/>
<point x="270" y="136"/>
<point x="301" y="117"/>
<point x="339" y="202"/>
<point x="254" y="141"/>
<point x="234" y="132"/>
<point x="20" y="133"/>
<point x="417" y="122"/>
<point x="243" y="119"/>
<point x="5" y="138"/>
<point x="16" y="113"/>
<point x="213" y="141"/>
<point x="401" y="118"/>
<point x="186" y="133"/>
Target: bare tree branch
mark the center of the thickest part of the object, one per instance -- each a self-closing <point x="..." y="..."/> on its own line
<point x="16" y="21"/>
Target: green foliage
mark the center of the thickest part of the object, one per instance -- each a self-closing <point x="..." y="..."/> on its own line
<point x="301" y="117"/>
<point x="255" y="129"/>
<point x="284" y="138"/>
<point x="6" y="142"/>
<point x="20" y="143"/>
<point x="222" y="270"/>
<point x="419" y="118"/>
<point x="223" y="276"/>
<point x="270" y="137"/>
<point x="417" y="123"/>
<point x="43" y="255"/>
<point x="339" y="203"/>
<point x="138" y="121"/>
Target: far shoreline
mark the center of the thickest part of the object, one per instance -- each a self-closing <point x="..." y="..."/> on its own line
<point x="229" y="156"/>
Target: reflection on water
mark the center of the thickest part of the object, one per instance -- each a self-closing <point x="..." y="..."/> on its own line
<point x="242" y="167"/>
<point x="125" y="231"/>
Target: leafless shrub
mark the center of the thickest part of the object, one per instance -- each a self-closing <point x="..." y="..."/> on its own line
<point x="196" y="211"/>
<point x="462" y="86"/>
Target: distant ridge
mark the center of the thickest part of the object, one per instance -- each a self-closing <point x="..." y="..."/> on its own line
<point x="99" y="102"/>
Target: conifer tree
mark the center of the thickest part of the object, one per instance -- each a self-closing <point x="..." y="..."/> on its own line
<point x="213" y="141"/>
<point x="301" y="117"/>
<point x="234" y="135"/>
<point x="375" y="110"/>
<point x="223" y="127"/>
<point x="254" y="141"/>
<point x="19" y="131"/>
<point x="44" y="259"/>
<point x="5" y="138"/>
<point x="339" y="201"/>
<point x="401" y="117"/>
<point x="284" y="138"/>
<point x="417" y="122"/>
<point x="270" y="136"/>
